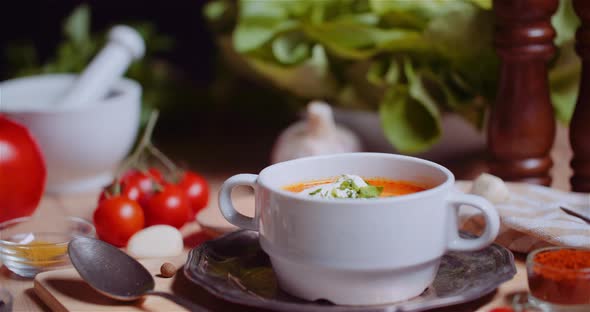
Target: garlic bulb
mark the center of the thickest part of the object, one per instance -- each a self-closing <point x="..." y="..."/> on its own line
<point x="317" y="135"/>
<point x="156" y="241"/>
<point x="491" y="188"/>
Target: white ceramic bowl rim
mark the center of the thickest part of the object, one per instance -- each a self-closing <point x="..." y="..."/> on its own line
<point x="125" y="87"/>
<point x="450" y="180"/>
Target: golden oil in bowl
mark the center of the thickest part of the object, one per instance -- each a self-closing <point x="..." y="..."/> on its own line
<point x="32" y="245"/>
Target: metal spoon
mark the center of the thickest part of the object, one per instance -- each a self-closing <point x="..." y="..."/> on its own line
<point x="580" y="212"/>
<point x="115" y="274"/>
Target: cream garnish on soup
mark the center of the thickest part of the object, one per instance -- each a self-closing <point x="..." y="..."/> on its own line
<point x="353" y="186"/>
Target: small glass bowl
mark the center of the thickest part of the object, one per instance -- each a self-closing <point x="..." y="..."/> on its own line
<point x="556" y="288"/>
<point x="31" y="245"/>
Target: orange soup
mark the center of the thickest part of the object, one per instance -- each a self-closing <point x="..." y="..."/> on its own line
<point x="390" y="187"/>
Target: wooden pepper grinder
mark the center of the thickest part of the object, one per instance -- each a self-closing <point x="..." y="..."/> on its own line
<point x="580" y="124"/>
<point x="521" y="127"/>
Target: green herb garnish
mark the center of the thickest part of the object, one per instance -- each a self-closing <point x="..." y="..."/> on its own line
<point x="349" y="185"/>
<point x="370" y="191"/>
<point x="347" y="188"/>
<point x="315" y="192"/>
<point x="351" y="190"/>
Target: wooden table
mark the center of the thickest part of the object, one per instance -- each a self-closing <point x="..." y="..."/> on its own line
<point x="83" y="205"/>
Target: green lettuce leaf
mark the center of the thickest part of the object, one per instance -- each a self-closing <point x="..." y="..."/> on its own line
<point x="564" y="76"/>
<point x="565" y="22"/>
<point x="77" y="25"/>
<point x="309" y="79"/>
<point x="250" y="35"/>
<point x="407" y="124"/>
<point x="259" y="22"/>
<point x="411" y="60"/>
<point x="418" y="91"/>
<point x="564" y="81"/>
<point x="214" y="10"/>
<point x="291" y="48"/>
<point x="484" y="4"/>
<point x="358" y="41"/>
<point x="409" y="115"/>
<point x="422" y="9"/>
<point x="384" y="72"/>
<point x="464" y="38"/>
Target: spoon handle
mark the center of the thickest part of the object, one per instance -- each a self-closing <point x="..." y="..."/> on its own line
<point x="180" y="301"/>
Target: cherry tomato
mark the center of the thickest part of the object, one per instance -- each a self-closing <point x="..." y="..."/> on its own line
<point x="197" y="190"/>
<point x="504" y="309"/>
<point x="152" y="173"/>
<point x="170" y="206"/>
<point x="156" y="175"/>
<point x="117" y="219"/>
<point x="129" y="190"/>
<point x="145" y="183"/>
<point x="22" y="171"/>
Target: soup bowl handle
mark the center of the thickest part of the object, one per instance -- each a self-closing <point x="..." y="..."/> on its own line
<point x="226" y="205"/>
<point x="491" y="217"/>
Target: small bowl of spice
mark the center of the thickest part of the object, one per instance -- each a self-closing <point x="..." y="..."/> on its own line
<point x="559" y="278"/>
<point x="32" y="245"/>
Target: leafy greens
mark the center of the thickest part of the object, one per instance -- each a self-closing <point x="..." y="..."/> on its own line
<point x="409" y="60"/>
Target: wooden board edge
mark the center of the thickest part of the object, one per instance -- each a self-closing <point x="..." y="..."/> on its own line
<point x="47" y="298"/>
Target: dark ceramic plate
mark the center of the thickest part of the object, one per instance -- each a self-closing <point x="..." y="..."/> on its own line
<point x="235" y="268"/>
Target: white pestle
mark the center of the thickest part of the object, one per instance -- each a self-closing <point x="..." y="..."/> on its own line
<point x="124" y="45"/>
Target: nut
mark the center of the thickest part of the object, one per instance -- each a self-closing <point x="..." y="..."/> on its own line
<point x="167" y="269"/>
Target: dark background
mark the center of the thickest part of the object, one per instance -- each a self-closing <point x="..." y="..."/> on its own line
<point x="40" y="22"/>
<point x="203" y="133"/>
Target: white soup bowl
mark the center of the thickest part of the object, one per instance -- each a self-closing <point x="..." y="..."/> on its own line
<point x="357" y="251"/>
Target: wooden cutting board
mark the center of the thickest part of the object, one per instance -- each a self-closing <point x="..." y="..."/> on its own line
<point x="64" y="290"/>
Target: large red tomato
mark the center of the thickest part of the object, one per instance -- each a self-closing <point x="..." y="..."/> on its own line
<point x="22" y="171"/>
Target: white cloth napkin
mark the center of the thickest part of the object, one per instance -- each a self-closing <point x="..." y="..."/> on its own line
<point x="532" y="218"/>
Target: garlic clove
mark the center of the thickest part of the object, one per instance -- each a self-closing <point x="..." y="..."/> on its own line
<point x="320" y="120"/>
<point x="318" y="134"/>
<point x="156" y="241"/>
<point x="491" y="187"/>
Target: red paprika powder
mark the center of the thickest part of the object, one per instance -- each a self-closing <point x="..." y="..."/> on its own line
<point x="560" y="275"/>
